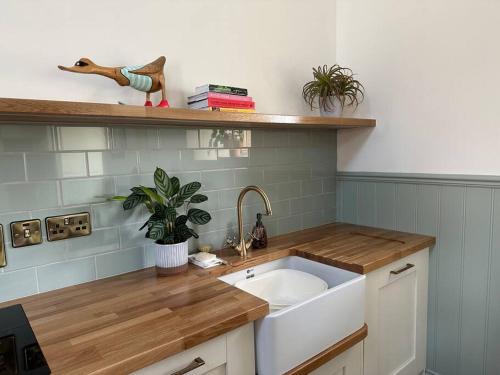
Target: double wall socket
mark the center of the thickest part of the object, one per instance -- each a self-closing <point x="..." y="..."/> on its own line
<point x="26" y="233"/>
<point x="68" y="226"/>
<point x="3" y="256"/>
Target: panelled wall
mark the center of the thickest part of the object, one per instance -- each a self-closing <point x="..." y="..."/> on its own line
<point x="464" y="290"/>
<point x="50" y="170"/>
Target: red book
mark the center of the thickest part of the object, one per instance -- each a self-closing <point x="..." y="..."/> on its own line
<point x="216" y="95"/>
<point x="214" y="102"/>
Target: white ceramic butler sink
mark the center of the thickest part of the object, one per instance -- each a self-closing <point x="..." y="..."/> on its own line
<point x="312" y="305"/>
<point x="283" y="287"/>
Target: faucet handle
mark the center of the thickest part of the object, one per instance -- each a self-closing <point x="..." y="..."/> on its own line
<point x="252" y="236"/>
<point x="248" y="242"/>
<point x="231" y="242"/>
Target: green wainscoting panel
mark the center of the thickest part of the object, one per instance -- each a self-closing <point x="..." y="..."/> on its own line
<point x="476" y="260"/>
<point x="386" y="213"/>
<point x="428" y="223"/>
<point x="449" y="257"/>
<point x="406" y="207"/>
<point x="464" y="272"/>
<point x="366" y="204"/>
<point x="493" y="324"/>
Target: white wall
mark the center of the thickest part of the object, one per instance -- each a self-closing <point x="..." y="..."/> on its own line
<point x="431" y="71"/>
<point x="268" y="46"/>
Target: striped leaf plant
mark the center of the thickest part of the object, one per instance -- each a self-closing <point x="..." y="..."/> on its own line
<point x="165" y="225"/>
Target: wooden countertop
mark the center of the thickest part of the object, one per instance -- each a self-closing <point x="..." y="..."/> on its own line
<point x="123" y="323"/>
<point x="351" y="247"/>
<point x="127" y="322"/>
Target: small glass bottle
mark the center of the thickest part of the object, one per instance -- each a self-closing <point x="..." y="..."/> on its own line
<point x="259" y="234"/>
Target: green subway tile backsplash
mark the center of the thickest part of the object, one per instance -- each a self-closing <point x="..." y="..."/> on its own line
<point x="12" y="167"/>
<point x="28" y="196"/>
<point x="65" y="273"/>
<point x="30" y="138"/>
<point x="18" y="284"/>
<point x="105" y="163"/>
<point x="46" y="171"/>
<point x="54" y="165"/>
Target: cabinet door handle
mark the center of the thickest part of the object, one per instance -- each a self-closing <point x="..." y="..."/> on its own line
<point x="401" y="270"/>
<point x="197" y="362"/>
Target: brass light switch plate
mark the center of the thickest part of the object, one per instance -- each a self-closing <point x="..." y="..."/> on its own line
<point x="26" y="233"/>
<point x="3" y="255"/>
<point x="68" y="226"/>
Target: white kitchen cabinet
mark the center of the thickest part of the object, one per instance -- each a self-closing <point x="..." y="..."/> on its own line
<point x="349" y="362"/>
<point x="229" y="354"/>
<point x="396" y="314"/>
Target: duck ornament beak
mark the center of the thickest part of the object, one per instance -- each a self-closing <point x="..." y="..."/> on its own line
<point x="84" y="65"/>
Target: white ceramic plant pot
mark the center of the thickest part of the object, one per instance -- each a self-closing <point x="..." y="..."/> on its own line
<point x="171" y="259"/>
<point x="336" y="109"/>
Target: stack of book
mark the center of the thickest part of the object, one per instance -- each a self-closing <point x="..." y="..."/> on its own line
<point x="221" y="98"/>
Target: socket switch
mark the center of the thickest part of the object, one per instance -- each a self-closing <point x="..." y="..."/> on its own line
<point x="26" y="233"/>
<point x="3" y="255"/>
<point x="68" y="226"/>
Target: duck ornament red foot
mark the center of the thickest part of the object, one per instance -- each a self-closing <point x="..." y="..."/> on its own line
<point x="147" y="78"/>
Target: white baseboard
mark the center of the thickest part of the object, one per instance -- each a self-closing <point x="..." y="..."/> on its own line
<point x="430" y="372"/>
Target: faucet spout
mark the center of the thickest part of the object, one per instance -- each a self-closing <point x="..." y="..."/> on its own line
<point x="243" y="245"/>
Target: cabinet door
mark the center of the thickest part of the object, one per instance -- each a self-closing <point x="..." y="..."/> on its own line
<point x="397" y="317"/>
<point x="348" y="363"/>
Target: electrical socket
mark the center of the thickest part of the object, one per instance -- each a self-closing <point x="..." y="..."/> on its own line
<point x="26" y="233"/>
<point x="68" y="226"/>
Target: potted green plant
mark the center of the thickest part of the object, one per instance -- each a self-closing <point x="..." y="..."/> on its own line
<point x="333" y="88"/>
<point x="165" y="226"/>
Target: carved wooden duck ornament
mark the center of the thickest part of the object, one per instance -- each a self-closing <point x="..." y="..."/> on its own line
<point x="147" y="78"/>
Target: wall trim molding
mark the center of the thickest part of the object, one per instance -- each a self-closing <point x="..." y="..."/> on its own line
<point x="423" y="178"/>
<point x="430" y="372"/>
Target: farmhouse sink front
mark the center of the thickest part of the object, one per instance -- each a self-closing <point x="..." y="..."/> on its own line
<point x="313" y="306"/>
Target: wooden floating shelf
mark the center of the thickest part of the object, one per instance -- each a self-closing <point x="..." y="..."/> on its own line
<point x="28" y="111"/>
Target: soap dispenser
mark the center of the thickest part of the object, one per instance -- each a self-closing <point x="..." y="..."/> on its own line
<point x="259" y="234"/>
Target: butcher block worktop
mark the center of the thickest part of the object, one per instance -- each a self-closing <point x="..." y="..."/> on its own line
<point x="351" y="247"/>
<point x="127" y="322"/>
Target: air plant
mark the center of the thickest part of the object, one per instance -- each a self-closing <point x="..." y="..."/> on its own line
<point x="332" y="83"/>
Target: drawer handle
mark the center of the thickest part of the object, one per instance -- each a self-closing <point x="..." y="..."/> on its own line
<point x="401" y="270"/>
<point x="197" y="362"/>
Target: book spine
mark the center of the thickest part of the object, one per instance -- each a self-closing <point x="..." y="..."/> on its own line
<point x="228" y="90"/>
<point x="221" y="89"/>
<point x="237" y="98"/>
<point x="212" y="102"/>
<point x="225" y="109"/>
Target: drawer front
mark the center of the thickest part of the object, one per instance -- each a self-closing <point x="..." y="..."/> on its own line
<point x="199" y="360"/>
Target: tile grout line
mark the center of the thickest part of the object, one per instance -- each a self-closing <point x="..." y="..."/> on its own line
<point x="25" y="165"/>
<point x="95" y="268"/>
<point x="37" y="281"/>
